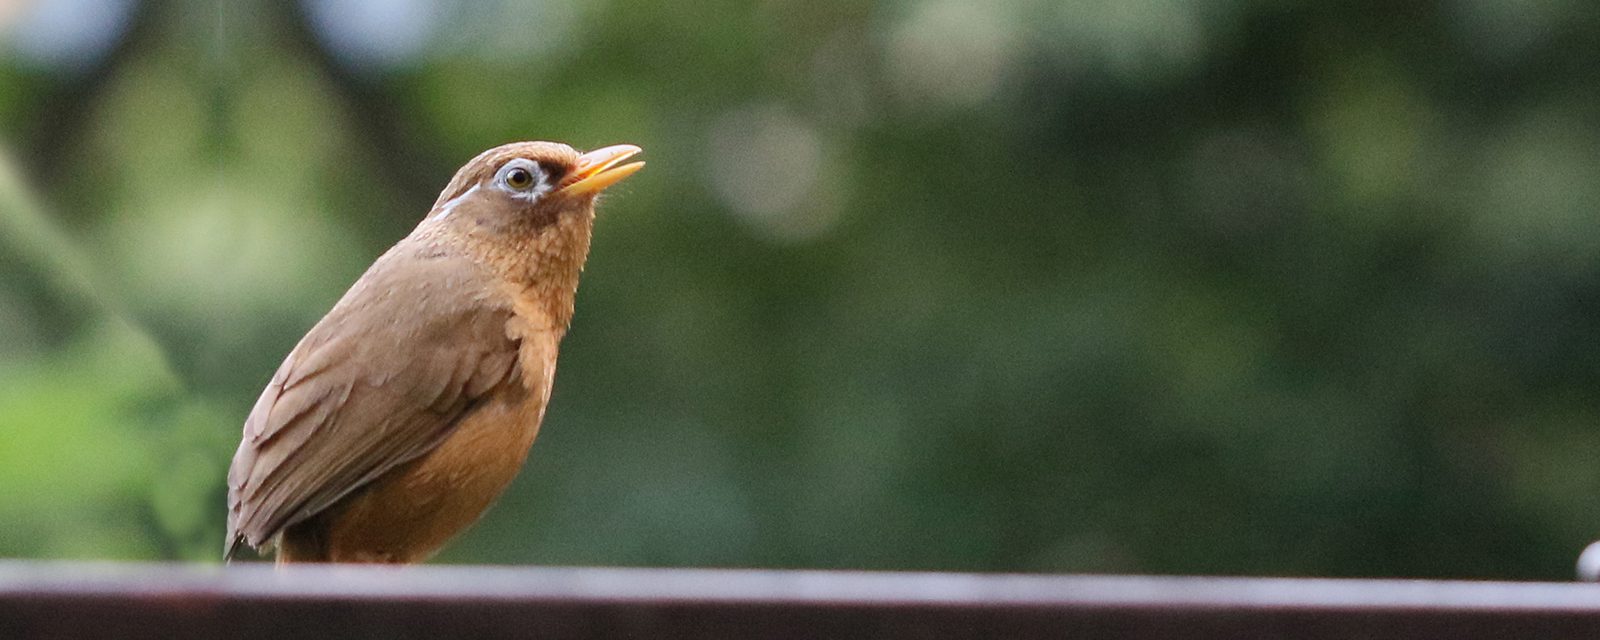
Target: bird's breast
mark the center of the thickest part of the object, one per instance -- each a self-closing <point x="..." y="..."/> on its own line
<point x="410" y="512"/>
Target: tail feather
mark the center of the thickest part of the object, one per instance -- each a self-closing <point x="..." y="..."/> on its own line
<point x="230" y="550"/>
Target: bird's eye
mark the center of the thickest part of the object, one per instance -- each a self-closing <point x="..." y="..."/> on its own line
<point x="522" y="177"/>
<point x="519" y="178"/>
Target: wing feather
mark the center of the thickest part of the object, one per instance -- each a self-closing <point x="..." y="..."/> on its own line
<point x="379" y="381"/>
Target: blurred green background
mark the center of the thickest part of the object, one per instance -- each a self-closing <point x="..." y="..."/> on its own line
<point x="1221" y="286"/>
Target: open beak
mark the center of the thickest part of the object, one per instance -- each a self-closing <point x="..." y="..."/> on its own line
<point x="598" y="169"/>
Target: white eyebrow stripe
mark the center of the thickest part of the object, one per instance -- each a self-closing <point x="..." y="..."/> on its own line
<point x="450" y="206"/>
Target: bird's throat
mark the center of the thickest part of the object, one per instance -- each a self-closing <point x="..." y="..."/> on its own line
<point x="544" y="267"/>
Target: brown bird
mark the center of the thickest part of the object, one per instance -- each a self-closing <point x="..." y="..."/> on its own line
<point x="401" y="416"/>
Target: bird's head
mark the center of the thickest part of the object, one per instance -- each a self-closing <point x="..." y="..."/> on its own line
<point x="526" y="210"/>
<point x="528" y="186"/>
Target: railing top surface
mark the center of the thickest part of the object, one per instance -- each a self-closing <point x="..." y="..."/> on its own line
<point x="619" y="585"/>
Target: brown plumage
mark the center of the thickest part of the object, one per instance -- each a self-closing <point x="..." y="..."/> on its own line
<point x="401" y="416"/>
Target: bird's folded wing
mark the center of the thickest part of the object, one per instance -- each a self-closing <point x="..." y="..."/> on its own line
<point x="380" y="381"/>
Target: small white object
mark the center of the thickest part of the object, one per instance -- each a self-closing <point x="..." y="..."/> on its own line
<point x="1589" y="563"/>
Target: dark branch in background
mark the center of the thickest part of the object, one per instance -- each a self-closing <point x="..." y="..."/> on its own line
<point x="379" y="121"/>
<point x="56" y="286"/>
<point x="64" y="110"/>
<point x="62" y="114"/>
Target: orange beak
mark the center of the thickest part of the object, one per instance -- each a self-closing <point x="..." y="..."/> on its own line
<point x="598" y="169"/>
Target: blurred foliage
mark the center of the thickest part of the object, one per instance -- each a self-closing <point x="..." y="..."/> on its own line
<point x="1221" y="286"/>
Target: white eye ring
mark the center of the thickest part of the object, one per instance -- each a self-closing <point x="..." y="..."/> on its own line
<point x="522" y="178"/>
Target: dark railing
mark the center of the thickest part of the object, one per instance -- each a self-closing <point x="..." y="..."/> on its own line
<point x="42" y="600"/>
